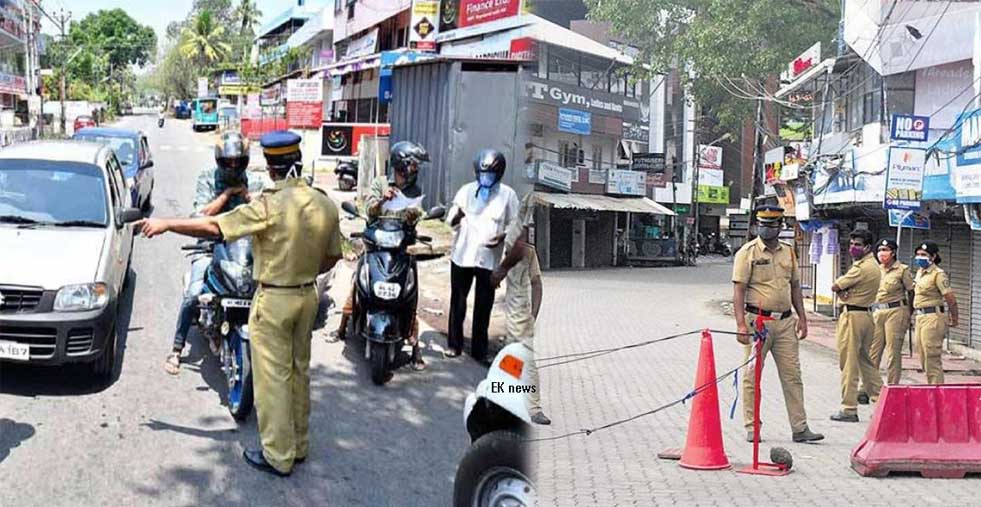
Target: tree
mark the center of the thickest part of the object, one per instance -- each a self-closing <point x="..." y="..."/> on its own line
<point x="248" y="15"/>
<point x="727" y="48"/>
<point x="204" y="40"/>
<point x="115" y="34"/>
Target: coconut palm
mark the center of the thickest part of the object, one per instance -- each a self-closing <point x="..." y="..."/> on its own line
<point x="249" y="15"/>
<point x="203" y="41"/>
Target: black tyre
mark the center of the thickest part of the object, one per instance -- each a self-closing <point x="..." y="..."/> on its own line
<point x="241" y="397"/>
<point x="345" y="185"/>
<point x="380" y="366"/>
<point x="495" y="471"/>
<point x="105" y="365"/>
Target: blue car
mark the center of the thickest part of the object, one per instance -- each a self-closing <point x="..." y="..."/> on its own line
<point x="133" y="153"/>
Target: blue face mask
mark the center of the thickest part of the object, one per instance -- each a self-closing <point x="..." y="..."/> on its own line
<point x="486" y="179"/>
<point x="922" y="262"/>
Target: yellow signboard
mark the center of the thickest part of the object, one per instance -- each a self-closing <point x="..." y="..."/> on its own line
<point x="713" y="195"/>
<point x="237" y="89"/>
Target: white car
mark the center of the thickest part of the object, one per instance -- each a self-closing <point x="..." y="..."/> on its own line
<point x="64" y="210"/>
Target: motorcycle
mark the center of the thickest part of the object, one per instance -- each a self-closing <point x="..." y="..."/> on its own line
<point x="347" y="175"/>
<point x="160" y="122"/>
<point x="722" y="245"/>
<point x="496" y="469"/>
<point x="386" y="291"/>
<point x="223" y="315"/>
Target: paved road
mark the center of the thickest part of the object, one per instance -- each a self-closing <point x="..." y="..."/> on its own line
<point x="619" y="466"/>
<point x="152" y="439"/>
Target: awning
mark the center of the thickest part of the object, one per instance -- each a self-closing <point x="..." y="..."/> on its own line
<point x="602" y="203"/>
<point x="805" y="77"/>
<point x="353" y="65"/>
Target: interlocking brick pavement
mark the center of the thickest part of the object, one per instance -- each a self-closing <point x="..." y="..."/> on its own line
<point x="589" y="310"/>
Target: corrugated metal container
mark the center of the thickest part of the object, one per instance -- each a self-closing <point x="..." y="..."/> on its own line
<point x="455" y="108"/>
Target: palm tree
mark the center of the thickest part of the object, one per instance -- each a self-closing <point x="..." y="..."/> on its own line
<point x="203" y="41"/>
<point x="249" y="14"/>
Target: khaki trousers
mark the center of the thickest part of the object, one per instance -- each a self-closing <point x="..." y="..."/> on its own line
<point x="782" y="343"/>
<point x="534" y="400"/>
<point x="281" y="327"/>
<point x="891" y="325"/>
<point x="930" y="331"/>
<point x="855" y="333"/>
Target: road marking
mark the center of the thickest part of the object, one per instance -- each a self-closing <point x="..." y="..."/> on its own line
<point x="166" y="147"/>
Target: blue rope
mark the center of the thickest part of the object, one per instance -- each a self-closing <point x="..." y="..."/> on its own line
<point x="735" y="387"/>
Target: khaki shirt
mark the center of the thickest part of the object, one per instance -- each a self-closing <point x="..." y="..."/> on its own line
<point x="768" y="274"/>
<point x="520" y="314"/>
<point x="376" y="196"/>
<point x="932" y="284"/>
<point x="294" y="228"/>
<point x="525" y="218"/>
<point x="896" y="282"/>
<point x="861" y="283"/>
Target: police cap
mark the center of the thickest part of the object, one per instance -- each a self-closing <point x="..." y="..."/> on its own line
<point x="768" y="213"/>
<point x="888" y="243"/>
<point x="281" y="148"/>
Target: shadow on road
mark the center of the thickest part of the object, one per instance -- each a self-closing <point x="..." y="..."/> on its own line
<point x="12" y="433"/>
<point x="75" y="378"/>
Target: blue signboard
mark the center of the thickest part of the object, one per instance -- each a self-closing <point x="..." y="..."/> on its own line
<point x="906" y="127"/>
<point x="575" y="121"/>
<point x="967" y="138"/>
<point x="912" y="220"/>
<point x="388" y="60"/>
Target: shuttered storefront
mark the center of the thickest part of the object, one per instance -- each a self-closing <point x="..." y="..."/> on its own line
<point x="976" y="292"/>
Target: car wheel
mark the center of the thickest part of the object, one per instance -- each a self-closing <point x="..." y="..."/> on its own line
<point x="494" y="472"/>
<point x="104" y="366"/>
<point x="145" y="208"/>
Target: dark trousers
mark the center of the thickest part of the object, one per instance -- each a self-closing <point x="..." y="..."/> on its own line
<point x="461" y="279"/>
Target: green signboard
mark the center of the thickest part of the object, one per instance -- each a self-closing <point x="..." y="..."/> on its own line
<point x="682" y="209"/>
<point x="713" y="195"/>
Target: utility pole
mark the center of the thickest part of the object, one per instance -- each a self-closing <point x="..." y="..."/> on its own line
<point x="757" y="163"/>
<point x="62" y="21"/>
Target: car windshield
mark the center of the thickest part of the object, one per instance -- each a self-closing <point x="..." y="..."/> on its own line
<point x="48" y="192"/>
<point x="207" y="106"/>
<point x="124" y="147"/>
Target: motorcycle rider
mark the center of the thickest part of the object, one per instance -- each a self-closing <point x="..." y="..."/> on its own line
<point x="219" y="189"/>
<point x="404" y="159"/>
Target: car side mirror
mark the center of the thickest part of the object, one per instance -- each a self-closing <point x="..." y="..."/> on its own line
<point x="127" y="216"/>
<point x="148" y="164"/>
<point x="350" y="208"/>
<point x="436" y="213"/>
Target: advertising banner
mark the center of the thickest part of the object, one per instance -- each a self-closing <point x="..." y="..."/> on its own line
<point x="344" y="139"/>
<point x="202" y="87"/>
<point x="455" y="14"/>
<point x="574" y="121"/>
<point x="710" y="157"/>
<point x="555" y="176"/>
<point x="362" y="46"/>
<point x="422" y="27"/>
<point x="906" y="127"/>
<point x="304" y="90"/>
<point x="648" y="162"/>
<point x="713" y="195"/>
<point x="10" y="83"/>
<point x="967" y="143"/>
<point x="563" y="95"/>
<point x="711" y="177"/>
<point x="271" y="96"/>
<point x="904" y="178"/>
<point x="304" y="103"/>
<point x="622" y="182"/>
<point x="773" y="165"/>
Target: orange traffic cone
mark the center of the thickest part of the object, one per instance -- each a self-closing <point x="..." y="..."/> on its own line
<point x="703" y="449"/>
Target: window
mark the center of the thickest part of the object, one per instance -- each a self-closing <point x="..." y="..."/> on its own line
<point x="569" y="154"/>
<point x="617" y="83"/>
<point x="350" y="10"/>
<point x="563" y="66"/>
<point x="597" y="157"/>
<point x="900" y="90"/>
<point x="594" y="74"/>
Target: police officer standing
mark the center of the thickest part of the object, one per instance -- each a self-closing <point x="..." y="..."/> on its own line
<point x="296" y="236"/>
<point x="891" y="312"/>
<point x="932" y="289"/>
<point x="766" y="283"/>
<point x="857" y="289"/>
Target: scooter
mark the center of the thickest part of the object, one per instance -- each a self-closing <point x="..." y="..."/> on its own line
<point x="160" y="122"/>
<point x="386" y="291"/>
<point x="722" y="245"/>
<point x="496" y="469"/>
<point x="223" y="315"/>
<point x="347" y="175"/>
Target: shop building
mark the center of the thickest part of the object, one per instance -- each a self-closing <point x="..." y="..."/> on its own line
<point x="19" y="101"/>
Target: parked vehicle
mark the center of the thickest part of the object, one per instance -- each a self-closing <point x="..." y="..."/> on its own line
<point x="386" y="291"/>
<point x="721" y="244"/>
<point x="496" y="469"/>
<point x="223" y="314"/>
<point x="62" y="204"/>
<point x="82" y="122"/>
<point x="182" y="111"/>
<point x="126" y="109"/>
<point x="133" y="152"/>
<point x="347" y="175"/>
<point x="204" y="113"/>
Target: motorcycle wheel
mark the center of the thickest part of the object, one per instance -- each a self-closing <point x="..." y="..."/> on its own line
<point x="345" y="185"/>
<point x="380" y="366"/>
<point x="239" y="375"/>
<point x="495" y="471"/>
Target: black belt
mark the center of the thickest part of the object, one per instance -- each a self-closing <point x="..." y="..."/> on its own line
<point x="930" y="309"/>
<point x="887" y="306"/>
<point x="767" y="313"/>
<point x="300" y="286"/>
<point x="853" y="308"/>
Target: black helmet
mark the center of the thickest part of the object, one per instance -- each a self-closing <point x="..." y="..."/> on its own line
<point x="232" y="154"/>
<point x="490" y="160"/>
<point x="406" y="153"/>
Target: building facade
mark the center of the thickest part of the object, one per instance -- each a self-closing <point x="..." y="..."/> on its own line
<point x="20" y="104"/>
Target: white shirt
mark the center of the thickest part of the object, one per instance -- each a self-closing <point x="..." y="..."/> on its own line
<point x="481" y="224"/>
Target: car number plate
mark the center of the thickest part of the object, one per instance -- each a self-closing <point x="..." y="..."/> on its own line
<point x="236" y="303"/>
<point x="15" y="351"/>
<point x="387" y="290"/>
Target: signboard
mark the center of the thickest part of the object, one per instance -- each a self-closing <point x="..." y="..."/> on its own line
<point x="802" y="63"/>
<point x="773" y="165"/>
<point x="710" y="157"/>
<point x="942" y="91"/>
<point x="422" y="27"/>
<point x="202" y="87"/>
<point x="230" y="77"/>
<point x="344" y="139"/>
<point x="575" y="121"/>
<point x="252" y="107"/>
<point x="966" y="166"/>
<point x="802" y="204"/>
<point x="555" y="176"/>
<point x="906" y="127"/>
<point x="362" y="46"/>
<point x="597" y="176"/>
<point x="713" y="195"/>
<point x="626" y="182"/>
<point x="786" y="199"/>
<point x="304" y="103"/>
<point x="10" y="83"/>
<point x="271" y="96"/>
<point x="648" y="162"/>
<point x="388" y="60"/>
<point x="563" y="95"/>
<point x="904" y="178"/>
<point x="304" y="90"/>
<point x="523" y="49"/>
<point x="236" y="89"/>
<point x="913" y="221"/>
<point x="455" y="14"/>
<point x="711" y="177"/>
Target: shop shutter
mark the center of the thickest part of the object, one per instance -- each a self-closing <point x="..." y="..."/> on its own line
<point x="976" y="292"/>
<point x="957" y="264"/>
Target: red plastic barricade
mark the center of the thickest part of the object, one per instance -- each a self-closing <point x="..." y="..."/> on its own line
<point x="253" y="128"/>
<point x="931" y="429"/>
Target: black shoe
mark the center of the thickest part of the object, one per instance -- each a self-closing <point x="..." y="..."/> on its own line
<point x="452" y="353"/>
<point x="255" y="459"/>
<point x="297" y="461"/>
<point x="863" y="398"/>
<point x="807" y="436"/>
<point x="843" y="417"/>
<point x="540" y="418"/>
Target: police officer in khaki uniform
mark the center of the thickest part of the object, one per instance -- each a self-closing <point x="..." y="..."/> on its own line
<point x="296" y="236"/>
<point x="932" y="290"/>
<point x="766" y="283"/>
<point x="857" y="289"/>
<point x="891" y="312"/>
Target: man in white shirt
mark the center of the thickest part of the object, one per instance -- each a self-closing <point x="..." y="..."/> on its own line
<point x="481" y="214"/>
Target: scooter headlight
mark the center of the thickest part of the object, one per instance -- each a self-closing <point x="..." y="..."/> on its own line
<point x="363" y="275"/>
